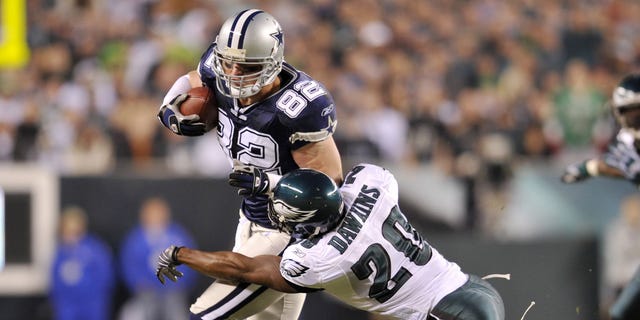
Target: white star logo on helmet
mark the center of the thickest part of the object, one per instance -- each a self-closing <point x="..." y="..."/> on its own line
<point x="278" y="36"/>
<point x="290" y="213"/>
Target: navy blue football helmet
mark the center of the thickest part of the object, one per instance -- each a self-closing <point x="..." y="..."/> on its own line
<point x="306" y="203"/>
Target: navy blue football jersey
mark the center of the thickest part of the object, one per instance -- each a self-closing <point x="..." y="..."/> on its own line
<point x="265" y="133"/>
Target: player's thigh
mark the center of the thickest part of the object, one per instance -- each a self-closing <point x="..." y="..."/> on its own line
<point x="263" y="241"/>
<point x="475" y="300"/>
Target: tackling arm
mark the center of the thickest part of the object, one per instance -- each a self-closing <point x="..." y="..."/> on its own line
<point x="322" y="156"/>
<point x="235" y="267"/>
<point x="606" y="170"/>
<point x="590" y="168"/>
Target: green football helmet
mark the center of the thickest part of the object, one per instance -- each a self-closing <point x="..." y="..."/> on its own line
<point x="625" y="103"/>
<point x="306" y="203"/>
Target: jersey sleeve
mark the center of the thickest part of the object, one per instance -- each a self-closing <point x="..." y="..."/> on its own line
<point x="298" y="269"/>
<point x="372" y="176"/>
<point x="623" y="156"/>
<point x="205" y="67"/>
<point x="308" y="109"/>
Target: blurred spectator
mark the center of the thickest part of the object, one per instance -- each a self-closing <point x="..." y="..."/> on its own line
<point x="26" y="147"/>
<point x="579" y="105"/>
<point x="149" y="299"/>
<point x="91" y="152"/>
<point x="621" y="249"/>
<point x="385" y="126"/>
<point x="582" y="37"/>
<point x="493" y="185"/>
<point x="82" y="276"/>
<point x="136" y="131"/>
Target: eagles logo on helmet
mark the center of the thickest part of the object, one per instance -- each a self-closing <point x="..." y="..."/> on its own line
<point x="290" y="213"/>
<point x="305" y="203"/>
<point x="625" y="104"/>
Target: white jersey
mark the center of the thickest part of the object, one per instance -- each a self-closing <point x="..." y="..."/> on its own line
<point x="374" y="260"/>
<point x="623" y="155"/>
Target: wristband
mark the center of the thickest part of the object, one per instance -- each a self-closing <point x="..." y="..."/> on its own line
<point x="592" y="167"/>
<point x="174" y="255"/>
<point x="273" y="180"/>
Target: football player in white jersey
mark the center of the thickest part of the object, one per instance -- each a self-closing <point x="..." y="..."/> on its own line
<point x="354" y="243"/>
<point x="622" y="161"/>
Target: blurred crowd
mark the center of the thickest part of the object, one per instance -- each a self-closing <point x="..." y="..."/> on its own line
<point x="470" y="87"/>
<point x="462" y="85"/>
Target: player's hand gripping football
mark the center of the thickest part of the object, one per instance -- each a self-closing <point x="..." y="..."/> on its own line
<point x="575" y="173"/>
<point x="167" y="263"/>
<point x="250" y="180"/>
<point x="184" y="125"/>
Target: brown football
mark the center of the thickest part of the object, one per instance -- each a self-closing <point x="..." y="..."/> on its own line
<point x="201" y="101"/>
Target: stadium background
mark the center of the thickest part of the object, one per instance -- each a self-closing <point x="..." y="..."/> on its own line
<point x="476" y="106"/>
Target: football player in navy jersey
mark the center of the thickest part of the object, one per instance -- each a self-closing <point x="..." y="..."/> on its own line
<point x="272" y="119"/>
<point x="622" y="161"/>
<point x="354" y="243"/>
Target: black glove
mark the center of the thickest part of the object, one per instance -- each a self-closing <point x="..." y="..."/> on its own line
<point x="251" y="180"/>
<point x="167" y="262"/>
<point x="575" y="173"/>
<point x="171" y="117"/>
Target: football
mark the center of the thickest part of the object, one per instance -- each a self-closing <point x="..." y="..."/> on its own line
<point x="201" y="101"/>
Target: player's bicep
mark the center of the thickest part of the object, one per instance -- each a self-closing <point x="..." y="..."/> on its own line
<point x="322" y="156"/>
<point x="610" y="171"/>
<point x="301" y="288"/>
<point x="299" y="275"/>
<point x="266" y="271"/>
<point x="194" y="78"/>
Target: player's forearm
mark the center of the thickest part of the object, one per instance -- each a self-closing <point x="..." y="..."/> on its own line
<point x="603" y="169"/>
<point x="234" y="267"/>
<point x="180" y="86"/>
<point x="224" y="265"/>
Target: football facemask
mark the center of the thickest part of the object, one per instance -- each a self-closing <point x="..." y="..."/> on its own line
<point x="248" y="53"/>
